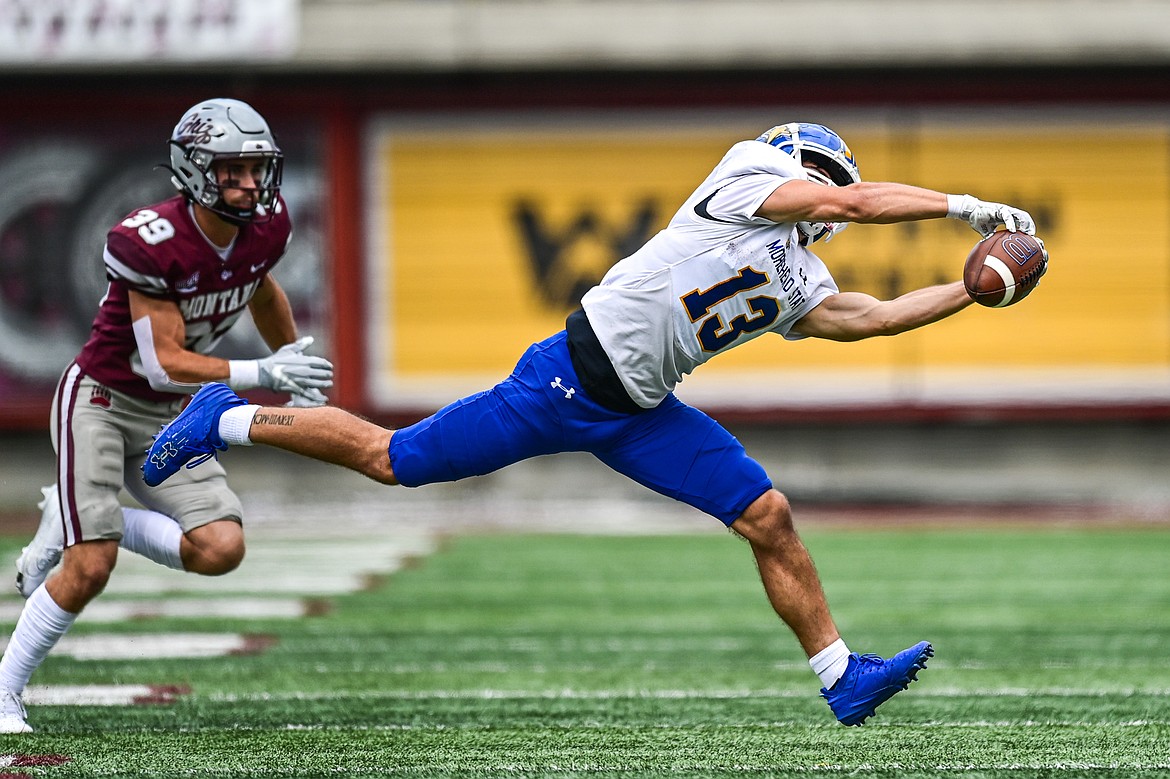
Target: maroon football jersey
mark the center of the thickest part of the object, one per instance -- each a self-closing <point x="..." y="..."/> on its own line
<point x="159" y="251"/>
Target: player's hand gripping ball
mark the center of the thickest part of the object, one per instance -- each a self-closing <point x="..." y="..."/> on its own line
<point x="1004" y="267"/>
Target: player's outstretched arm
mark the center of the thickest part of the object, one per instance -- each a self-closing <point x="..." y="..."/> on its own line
<point x="886" y="202"/>
<point x="852" y="316"/>
<point x="872" y="202"/>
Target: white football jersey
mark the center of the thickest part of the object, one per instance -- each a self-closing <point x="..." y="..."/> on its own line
<point x="716" y="277"/>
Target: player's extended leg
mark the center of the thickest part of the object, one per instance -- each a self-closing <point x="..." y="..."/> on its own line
<point x="329" y="434"/>
<point x="855" y="685"/>
<point x="787" y="571"/>
<point x="681" y="452"/>
<point x="323" y="433"/>
<point x="518" y="418"/>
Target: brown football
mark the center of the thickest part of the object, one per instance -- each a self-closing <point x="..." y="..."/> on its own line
<point x="1001" y="270"/>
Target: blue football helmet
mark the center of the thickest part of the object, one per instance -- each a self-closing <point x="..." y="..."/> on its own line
<point x="835" y="166"/>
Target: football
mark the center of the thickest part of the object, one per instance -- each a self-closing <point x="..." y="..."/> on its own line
<point x="1002" y="269"/>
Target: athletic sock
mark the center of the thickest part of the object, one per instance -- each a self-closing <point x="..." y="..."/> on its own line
<point x="155" y="536"/>
<point x="40" y="627"/>
<point x="830" y="663"/>
<point x="235" y="424"/>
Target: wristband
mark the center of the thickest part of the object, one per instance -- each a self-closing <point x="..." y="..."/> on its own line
<point x="960" y="206"/>
<point x="243" y="374"/>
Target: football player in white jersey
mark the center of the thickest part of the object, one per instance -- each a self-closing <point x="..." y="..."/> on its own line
<point x="733" y="263"/>
<point x="181" y="273"/>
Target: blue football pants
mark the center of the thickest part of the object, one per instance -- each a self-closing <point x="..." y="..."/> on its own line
<point x="673" y="449"/>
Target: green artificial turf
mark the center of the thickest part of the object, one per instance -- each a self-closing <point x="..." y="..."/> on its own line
<point x="559" y="656"/>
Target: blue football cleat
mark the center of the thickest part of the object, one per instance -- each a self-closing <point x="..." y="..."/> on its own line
<point x="192" y="437"/>
<point x="869" y="681"/>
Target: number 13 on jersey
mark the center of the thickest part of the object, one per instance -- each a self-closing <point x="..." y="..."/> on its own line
<point x="762" y="310"/>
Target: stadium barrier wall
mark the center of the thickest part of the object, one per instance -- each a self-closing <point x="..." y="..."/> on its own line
<point x="440" y="230"/>
<point x="485" y="232"/>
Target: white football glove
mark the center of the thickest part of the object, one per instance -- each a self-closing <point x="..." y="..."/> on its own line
<point x="312" y="397"/>
<point x="288" y="369"/>
<point x="984" y="217"/>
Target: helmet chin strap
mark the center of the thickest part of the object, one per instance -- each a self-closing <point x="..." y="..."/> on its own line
<point x="234" y="216"/>
<point x="811" y="232"/>
<point x="818" y="176"/>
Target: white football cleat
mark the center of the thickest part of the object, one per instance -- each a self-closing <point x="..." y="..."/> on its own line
<point x="12" y="713"/>
<point x="44" y="552"/>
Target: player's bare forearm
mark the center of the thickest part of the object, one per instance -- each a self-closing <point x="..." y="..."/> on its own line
<point x="872" y="202"/>
<point x="881" y="202"/>
<point x="272" y="314"/>
<point x="161" y="334"/>
<point x="924" y="306"/>
<point x="853" y="316"/>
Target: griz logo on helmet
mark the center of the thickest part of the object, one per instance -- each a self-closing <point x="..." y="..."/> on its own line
<point x="194" y="130"/>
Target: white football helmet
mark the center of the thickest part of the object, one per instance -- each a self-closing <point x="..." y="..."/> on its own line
<point x="818" y="144"/>
<point x="220" y="129"/>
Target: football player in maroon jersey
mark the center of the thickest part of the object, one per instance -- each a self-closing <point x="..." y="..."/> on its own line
<point x="181" y="273"/>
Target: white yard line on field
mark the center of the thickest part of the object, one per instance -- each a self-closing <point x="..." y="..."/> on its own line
<point x="302" y="566"/>
<point x="726" y="694"/>
<point x="150" y="646"/>
<point x="102" y="694"/>
<point x="105" y="610"/>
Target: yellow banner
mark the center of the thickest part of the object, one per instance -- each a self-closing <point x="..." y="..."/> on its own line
<point x="485" y="238"/>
